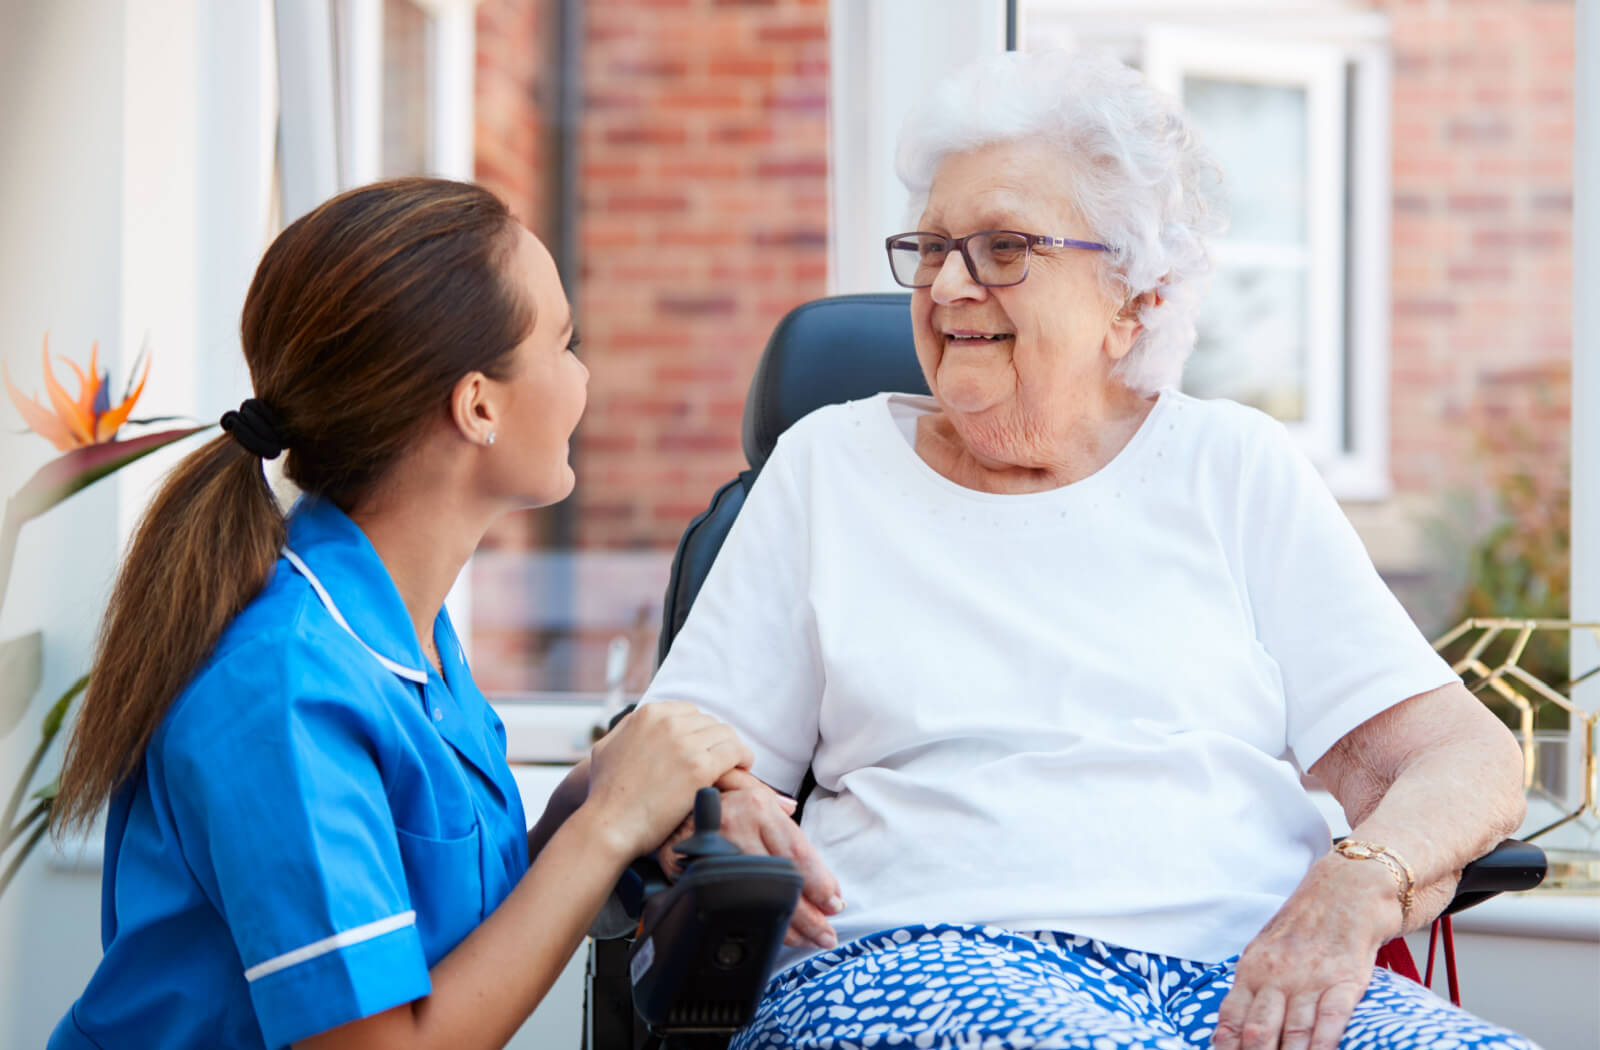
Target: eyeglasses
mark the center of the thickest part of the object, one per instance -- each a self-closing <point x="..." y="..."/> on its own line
<point x="994" y="258"/>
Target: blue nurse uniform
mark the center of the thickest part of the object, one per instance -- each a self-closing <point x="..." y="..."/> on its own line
<point x="319" y="819"/>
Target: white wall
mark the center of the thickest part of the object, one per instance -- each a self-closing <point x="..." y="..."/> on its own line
<point x="132" y="203"/>
<point x="60" y="269"/>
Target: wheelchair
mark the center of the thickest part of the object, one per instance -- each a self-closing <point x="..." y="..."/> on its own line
<point x="694" y="969"/>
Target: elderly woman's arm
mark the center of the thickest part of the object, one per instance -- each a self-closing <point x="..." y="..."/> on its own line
<point x="1438" y="780"/>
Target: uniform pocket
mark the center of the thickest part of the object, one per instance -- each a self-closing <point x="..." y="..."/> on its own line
<point x="445" y="879"/>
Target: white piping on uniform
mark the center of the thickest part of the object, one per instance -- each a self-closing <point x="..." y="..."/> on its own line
<point x="327" y="602"/>
<point x="329" y="944"/>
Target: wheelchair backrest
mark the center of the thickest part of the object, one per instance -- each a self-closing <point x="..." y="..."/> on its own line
<point x="824" y="352"/>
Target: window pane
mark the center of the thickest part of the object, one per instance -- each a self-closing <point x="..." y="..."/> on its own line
<point x="405" y="88"/>
<point x="695" y="138"/>
<point x="1252" y="340"/>
<point x="1258" y="133"/>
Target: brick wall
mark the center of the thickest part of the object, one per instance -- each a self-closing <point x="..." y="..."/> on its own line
<point x="704" y="197"/>
<point x="702" y="220"/>
<point x="1483" y="138"/>
<point x="514" y="96"/>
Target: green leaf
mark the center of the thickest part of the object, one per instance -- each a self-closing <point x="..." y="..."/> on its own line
<point x="58" y="710"/>
<point x="49" y="792"/>
<point x="47" y="733"/>
<point x="82" y="467"/>
<point x="21" y="669"/>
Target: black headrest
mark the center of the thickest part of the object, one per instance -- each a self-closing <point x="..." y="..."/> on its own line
<point x="824" y="352"/>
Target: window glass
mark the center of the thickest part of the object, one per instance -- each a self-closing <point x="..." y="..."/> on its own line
<point x="675" y="161"/>
<point x="1258" y="133"/>
<point x="1250" y="340"/>
<point x="405" y="88"/>
<point x="1251" y="343"/>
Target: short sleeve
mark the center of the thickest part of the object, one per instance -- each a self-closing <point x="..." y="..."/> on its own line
<point x="748" y="652"/>
<point x="1346" y="648"/>
<point x="281" y="811"/>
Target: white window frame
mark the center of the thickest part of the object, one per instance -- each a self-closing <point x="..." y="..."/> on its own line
<point x="331" y="73"/>
<point x="1173" y="53"/>
<point x="451" y="57"/>
<point x="884" y="55"/>
<point x="1347" y="431"/>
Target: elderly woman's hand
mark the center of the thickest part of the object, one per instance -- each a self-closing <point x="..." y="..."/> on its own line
<point x="758" y="820"/>
<point x="1299" y="981"/>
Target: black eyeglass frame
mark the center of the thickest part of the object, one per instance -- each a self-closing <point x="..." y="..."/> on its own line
<point x="1029" y="240"/>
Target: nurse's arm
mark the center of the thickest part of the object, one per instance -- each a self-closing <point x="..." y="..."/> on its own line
<point x="489" y="984"/>
<point x="642" y="779"/>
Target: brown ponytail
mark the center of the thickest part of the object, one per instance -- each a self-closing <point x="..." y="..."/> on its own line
<point x="362" y="316"/>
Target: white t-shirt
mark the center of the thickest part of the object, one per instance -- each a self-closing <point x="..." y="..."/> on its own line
<point x="1075" y="710"/>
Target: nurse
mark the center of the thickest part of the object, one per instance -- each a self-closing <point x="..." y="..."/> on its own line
<point x="313" y="836"/>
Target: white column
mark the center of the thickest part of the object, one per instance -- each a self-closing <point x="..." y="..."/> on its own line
<point x="308" y="98"/>
<point x="884" y="55"/>
<point x="361" y="100"/>
<point x="452" y="68"/>
<point x="452" y="64"/>
<point x="1586" y="348"/>
<point x="236" y="136"/>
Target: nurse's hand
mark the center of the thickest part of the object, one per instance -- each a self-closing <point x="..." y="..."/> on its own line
<point x="760" y="821"/>
<point x="644" y="773"/>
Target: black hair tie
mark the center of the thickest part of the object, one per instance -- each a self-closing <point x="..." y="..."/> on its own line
<point x="257" y="428"/>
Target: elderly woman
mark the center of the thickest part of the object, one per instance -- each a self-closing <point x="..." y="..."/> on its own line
<point x="1058" y="640"/>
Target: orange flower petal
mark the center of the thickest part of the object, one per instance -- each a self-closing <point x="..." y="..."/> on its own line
<point x="107" y="425"/>
<point x="88" y="386"/>
<point x="39" y="419"/>
<point x="77" y="421"/>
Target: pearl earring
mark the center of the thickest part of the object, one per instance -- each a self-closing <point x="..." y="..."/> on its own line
<point x="491" y="438"/>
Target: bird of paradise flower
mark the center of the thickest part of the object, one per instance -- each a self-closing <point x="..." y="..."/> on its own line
<point x="89" y="418"/>
<point x="84" y="428"/>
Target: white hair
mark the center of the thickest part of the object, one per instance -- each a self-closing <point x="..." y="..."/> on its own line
<point x="1140" y="179"/>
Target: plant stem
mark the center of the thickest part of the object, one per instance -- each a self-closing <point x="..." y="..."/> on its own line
<point x="22" y="855"/>
<point x="41" y="810"/>
<point x="9" y="527"/>
<point x="53" y="721"/>
<point x="21" y="790"/>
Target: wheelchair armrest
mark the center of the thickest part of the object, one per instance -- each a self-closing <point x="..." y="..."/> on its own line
<point x="1512" y="865"/>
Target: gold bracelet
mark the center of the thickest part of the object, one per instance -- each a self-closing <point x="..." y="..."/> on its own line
<point x="1355" y="849"/>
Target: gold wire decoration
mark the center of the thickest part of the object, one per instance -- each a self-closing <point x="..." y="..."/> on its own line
<point x="1492" y="668"/>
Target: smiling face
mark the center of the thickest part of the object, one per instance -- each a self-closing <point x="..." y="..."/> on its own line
<point x="1017" y="369"/>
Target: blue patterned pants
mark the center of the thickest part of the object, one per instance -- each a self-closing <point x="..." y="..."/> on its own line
<point x="960" y="987"/>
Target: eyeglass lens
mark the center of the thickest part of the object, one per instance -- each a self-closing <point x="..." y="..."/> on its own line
<point x="1000" y="258"/>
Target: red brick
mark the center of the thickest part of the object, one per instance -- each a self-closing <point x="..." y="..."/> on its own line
<point x="719" y="304"/>
<point x="1478" y="202"/>
<point x="648" y="68"/>
<point x="743" y="134"/>
<point x="743" y="67"/>
<point x="724" y="440"/>
<point x="694" y="169"/>
<point x="646" y="202"/>
<point x="812" y="167"/>
<point x="646" y="135"/>
<point x="793" y="33"/>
